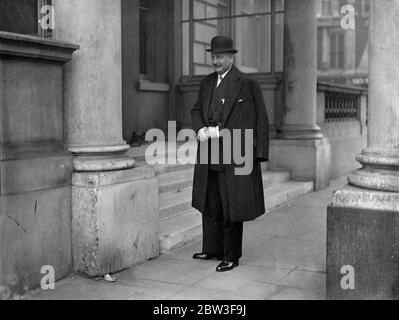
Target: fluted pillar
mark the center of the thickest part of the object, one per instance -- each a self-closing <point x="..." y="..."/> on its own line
<point x="93" y="83"/>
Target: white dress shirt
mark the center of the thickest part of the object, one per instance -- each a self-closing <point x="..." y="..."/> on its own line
<point x="221" y="77"/>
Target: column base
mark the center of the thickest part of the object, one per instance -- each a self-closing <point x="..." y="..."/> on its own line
<point x="114" y="220"/>
<point x="363" y="233"/>
<point x="307" y="160"/>
<point x="380" y="171"/>
<point x="98" y="150"/>
<point x="292" y="132"/>
<point x="102" y="163"/>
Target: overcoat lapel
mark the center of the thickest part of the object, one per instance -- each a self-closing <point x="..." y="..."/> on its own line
<point x="208" y="93"/>
<point x="233" y="89"/>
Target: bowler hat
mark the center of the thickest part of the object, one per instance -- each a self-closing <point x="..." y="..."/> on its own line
<point x="221" y="44"/>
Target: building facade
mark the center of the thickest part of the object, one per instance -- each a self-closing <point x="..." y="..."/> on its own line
<point x="109" y="71"/>
<point x="163" y="49"/>
<point x="342" y="55"/>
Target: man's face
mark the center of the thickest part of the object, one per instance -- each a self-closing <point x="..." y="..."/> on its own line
<point x="222" y="62"/>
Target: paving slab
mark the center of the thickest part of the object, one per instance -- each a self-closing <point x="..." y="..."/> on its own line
<point x="170" y="270"/>
<point x="80" y="288"/>
<point x="287" y="293"/>
<point x="315" y="264"/>
<point x="310" y="281"/>
<point x="287" y="250"/>
<point x="267" y="263"/>
<point x="260" y="274"/>
<point x="252" y="239"/>
<point x="154" y="288"/>
<point x="199" y="293"/>
<point x="300" y="211"/>
<point x="245" y="289"/>
<point x="317" y="234"/>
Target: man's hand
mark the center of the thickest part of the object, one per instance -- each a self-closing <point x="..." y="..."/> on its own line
<point x="203" y="134"/>
<point x="208" y="133"/>
<point x="213" y="133"/>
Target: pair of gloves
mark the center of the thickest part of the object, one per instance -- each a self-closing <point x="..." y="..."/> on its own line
<point x="208" y="133"/>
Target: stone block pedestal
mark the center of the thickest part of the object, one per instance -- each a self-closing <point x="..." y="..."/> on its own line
<point x="114" y="220"/>
<point x="307" y="160"/>
<point x="365" y="239"/>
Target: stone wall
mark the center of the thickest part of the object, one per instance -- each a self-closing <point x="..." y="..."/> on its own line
<point x="35" y="167"/>
<point x="347" y="138"/>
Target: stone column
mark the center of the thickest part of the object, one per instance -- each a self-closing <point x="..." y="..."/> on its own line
<point x="381" y="158"/>
<point x="93" y="89"/>
<point x="363" y="221"/>
<point x="299" y="133"/>
<point x="300" y="71"/>
<point x="114" y="205"/>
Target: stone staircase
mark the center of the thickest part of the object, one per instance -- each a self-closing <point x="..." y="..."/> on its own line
<point x="180" y="224"/>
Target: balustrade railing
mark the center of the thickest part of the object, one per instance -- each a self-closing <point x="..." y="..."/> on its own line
<point x="341" y="103"/>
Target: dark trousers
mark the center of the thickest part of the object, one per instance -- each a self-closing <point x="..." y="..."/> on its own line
<point x="221" y="236"/>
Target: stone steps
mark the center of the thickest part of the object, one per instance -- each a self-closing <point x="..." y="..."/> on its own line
<point x="166" y="168"/>
<point x="177" y="181"/>
<point x="173" y="204"/>
<point x="138" y="153"/>
<point x="280" y="193"/>
<point x="180" y="230"/>
<point x="180" y="224"/>
<point x="175" y="190"/>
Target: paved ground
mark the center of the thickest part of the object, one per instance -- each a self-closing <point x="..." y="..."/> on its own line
<point x="284" y="258"/>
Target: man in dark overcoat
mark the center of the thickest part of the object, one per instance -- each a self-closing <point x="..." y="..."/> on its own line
<point x="228" y="100"/>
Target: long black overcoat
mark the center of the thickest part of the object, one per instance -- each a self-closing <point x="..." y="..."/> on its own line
<point x="244" y="108"/>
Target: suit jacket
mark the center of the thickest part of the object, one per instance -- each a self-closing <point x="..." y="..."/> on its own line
<point x="244" y="108"/>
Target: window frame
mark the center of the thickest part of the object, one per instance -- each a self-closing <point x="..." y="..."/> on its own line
<point x="36" y="30"/>
<point x="337" y="36"/>
<point x="148" y="77"/>
<point x="144" y="52"/>
<point x="273" y="13"/>
<point x="43" y="33"/>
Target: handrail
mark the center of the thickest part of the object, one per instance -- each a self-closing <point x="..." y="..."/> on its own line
<point x="333" y="87"/>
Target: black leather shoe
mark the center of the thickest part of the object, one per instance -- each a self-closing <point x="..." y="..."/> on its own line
<point x="206" y="256"/>
<point x="227" y="266"/>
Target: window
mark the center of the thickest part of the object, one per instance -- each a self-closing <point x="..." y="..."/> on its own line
<point x="144" y="21"/>
<point x="154" y="40"/>
<point x="320" y="48"/>
<point x="326" y="8"/>
<point x="336" y="6"/>
<point x="23" y="16"/>
<point x="256" y="26"/>
<point x="337" y="53"/>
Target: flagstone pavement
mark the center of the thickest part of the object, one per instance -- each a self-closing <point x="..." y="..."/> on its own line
<point x="284" y="258"/>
